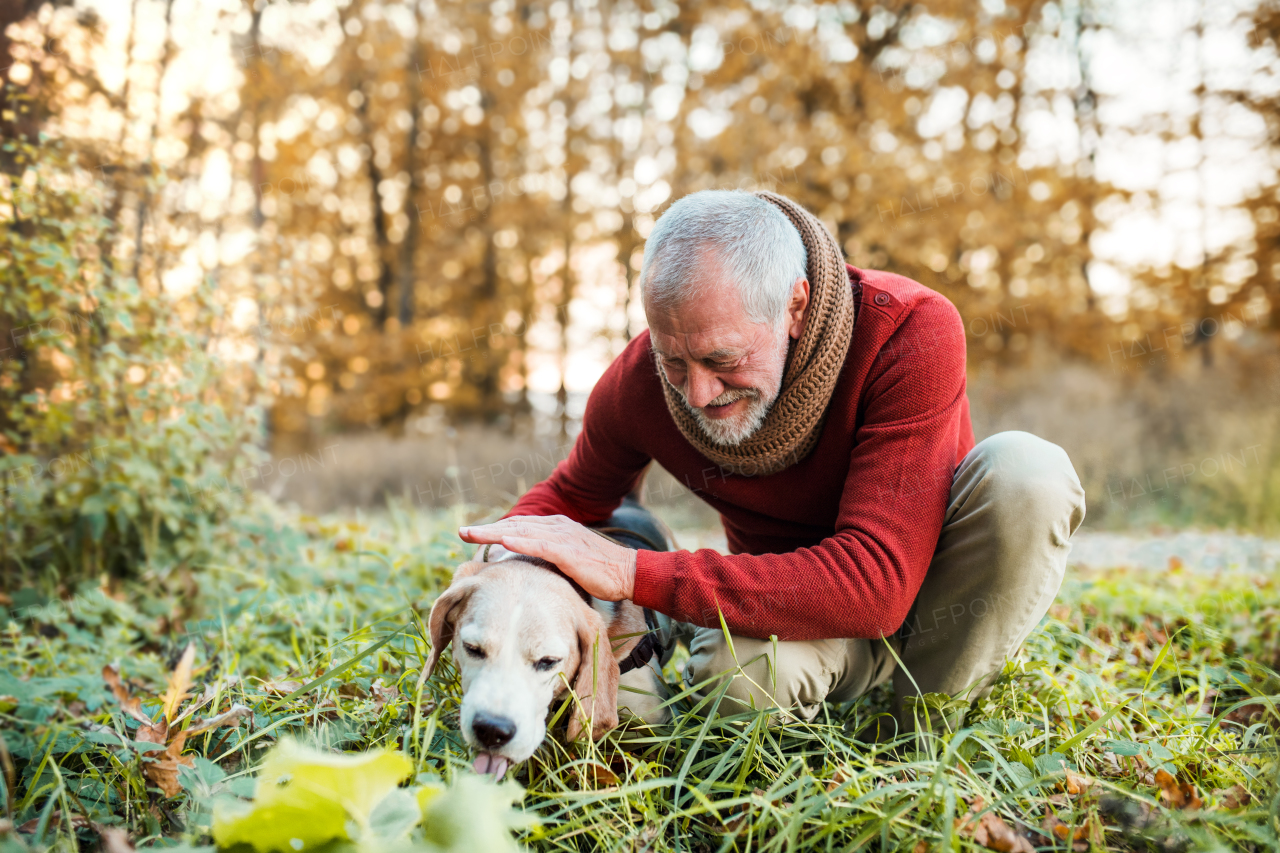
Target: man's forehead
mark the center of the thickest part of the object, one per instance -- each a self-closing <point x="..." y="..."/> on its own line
<point x="704" y="341"/>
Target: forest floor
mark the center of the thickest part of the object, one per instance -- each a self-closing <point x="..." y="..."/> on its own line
<point x="1142" y="714"/>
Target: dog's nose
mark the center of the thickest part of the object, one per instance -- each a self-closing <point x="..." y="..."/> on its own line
<point x="493" y="731"/>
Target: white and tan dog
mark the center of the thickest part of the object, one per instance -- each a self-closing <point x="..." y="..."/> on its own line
<point x="518" y="627"/>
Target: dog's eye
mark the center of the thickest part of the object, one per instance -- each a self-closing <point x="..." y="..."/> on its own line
<point x="474" y="651"/>
<point x="546" y="664"/>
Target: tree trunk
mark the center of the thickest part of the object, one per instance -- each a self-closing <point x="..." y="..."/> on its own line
<point x="490" y="366"/>
<point x="409" y="246"/>
<point x="106" y="245"/>
<point x="626" y="247"/>
<point x="382" y="243"/>
<point x="25" y="124"/>
<point x="145" y="171"/>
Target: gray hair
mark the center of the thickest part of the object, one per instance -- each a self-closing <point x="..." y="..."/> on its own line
<point x="744" y="237"/>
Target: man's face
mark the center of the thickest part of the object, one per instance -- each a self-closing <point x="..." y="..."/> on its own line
<point x="727" y="367"/>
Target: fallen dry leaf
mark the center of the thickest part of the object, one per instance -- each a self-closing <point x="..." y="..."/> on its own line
<point x="79" y="821"/>
<point x="1177" y="795"/>
<point x="157" y="732"/>
<point x="1245" y="715"/>
<point x="1158" y="635"/>
<point x="1059" y="831"/>
<point x="179" y="683"/>
<point x="990" y="831"/>
<point x="131" y="705"/>
<point x="760" y="792"/>
<point x="281" y="688"/>
<point x="643" y="842"/>
<point x="115" y="840"/>
<point x="742" y="815"/>
<point x="231" y="717"/>
<point x="383" y="694"/>
<point x="1077" y="784"/>
<point x="1234" y="797"/>
<point x="210" y="691"/>
<point x="843" y="774"/>
<point x="595" y="775"/>
<point x="1141" y="769"/>
<point x="351" y="691"/>
<point x="921" y="847"/>
<point x="164" y="769"/>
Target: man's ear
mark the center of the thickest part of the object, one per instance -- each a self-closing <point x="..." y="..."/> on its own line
<point x="596" y="682"/>
<point x="445" y="612"/>
<point x="798" y="308"/>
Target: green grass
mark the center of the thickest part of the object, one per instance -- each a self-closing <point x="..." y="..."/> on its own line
<point x="1178" y="668"/>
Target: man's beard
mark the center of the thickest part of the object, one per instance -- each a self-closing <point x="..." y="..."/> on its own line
<point x="730" y="432"/>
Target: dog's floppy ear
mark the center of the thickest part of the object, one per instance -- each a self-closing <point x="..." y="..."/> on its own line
<point x="444" y="613"/>
<point x="596" y="682"/>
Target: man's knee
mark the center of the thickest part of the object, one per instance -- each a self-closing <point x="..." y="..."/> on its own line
<point x="1029" y="481"/>
<point x="761" y="674"/>
<point x="713" y="661"/>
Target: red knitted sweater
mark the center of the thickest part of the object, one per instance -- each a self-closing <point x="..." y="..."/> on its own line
<point x="836" y="545"/>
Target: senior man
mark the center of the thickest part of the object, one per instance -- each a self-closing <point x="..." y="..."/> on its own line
<point x="821" y="410"/>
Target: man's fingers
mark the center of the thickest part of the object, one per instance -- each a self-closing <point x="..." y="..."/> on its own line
<point x="548" y="551"/>
<point x="491" y="534"/>
<point x="483" y="535"/>
<point x="576" y="559"/>
<point x="517" y="525"/>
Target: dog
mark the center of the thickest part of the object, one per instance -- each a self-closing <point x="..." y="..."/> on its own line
<point x="521" y="630"/>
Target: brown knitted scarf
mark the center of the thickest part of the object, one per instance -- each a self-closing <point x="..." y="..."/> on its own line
<point x="792" y="427"/>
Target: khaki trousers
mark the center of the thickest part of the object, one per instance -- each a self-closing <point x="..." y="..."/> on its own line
<point x="1015" y="502"/>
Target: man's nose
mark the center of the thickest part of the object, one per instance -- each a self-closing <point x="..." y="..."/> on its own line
<point x="704" y="386"/>
<point x="493" y="731"/>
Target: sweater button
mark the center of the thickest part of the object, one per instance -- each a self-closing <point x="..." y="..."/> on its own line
<point x="882" y="299"/>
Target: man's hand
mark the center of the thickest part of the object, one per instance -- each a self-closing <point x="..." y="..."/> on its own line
<point x="604" y="569"/>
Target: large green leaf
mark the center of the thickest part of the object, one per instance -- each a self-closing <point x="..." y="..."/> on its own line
<point x="473" y="814"/>
<point x="305" y="798"/>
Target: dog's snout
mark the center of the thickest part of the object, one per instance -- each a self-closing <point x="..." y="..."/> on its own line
<point x="493" y="731"/>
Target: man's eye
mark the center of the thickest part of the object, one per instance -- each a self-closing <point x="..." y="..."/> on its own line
<point x="474" y="651"/>
<point x="546" y="664"/>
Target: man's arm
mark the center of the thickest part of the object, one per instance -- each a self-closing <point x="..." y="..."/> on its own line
<point x="861" y="581"/>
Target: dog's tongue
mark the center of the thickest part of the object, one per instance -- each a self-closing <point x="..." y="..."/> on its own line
<point x="493" y="765"/>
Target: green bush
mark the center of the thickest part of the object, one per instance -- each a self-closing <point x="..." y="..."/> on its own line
<point x="116" y="414"/>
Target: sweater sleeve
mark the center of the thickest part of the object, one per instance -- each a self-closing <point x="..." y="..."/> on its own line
<point x="605" y="463"/>
<point x="861" y="581"/>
